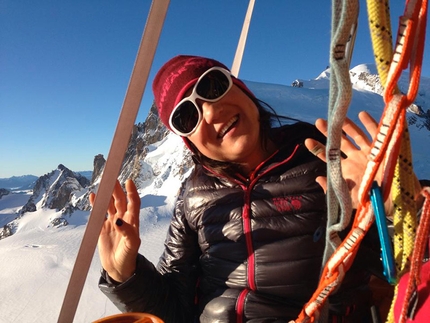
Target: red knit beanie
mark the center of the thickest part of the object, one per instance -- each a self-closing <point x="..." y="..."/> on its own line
<point x="178" y="75"/>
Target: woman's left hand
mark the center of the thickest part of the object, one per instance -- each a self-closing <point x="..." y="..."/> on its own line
<point x="356" y="146"/>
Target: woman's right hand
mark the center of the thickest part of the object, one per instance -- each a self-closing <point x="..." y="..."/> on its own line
<point x="119" y="238"/>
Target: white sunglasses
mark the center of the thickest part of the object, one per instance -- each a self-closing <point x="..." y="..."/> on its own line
<point x="211" y="86"/>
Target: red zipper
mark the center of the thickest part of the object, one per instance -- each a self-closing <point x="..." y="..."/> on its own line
<point x="248" y="238"/>
<point x="247" y="232"/>
<point x="240" y="305"/>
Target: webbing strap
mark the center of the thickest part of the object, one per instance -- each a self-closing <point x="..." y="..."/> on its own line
<point x="387" y="142"/>
<point x="119" y="145"/>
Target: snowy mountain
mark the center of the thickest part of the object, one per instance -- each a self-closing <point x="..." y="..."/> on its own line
<point x="58" y="190"/>
<point x="46" y="224"/>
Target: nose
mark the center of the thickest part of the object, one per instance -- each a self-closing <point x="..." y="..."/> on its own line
<point x="211" y="111"/>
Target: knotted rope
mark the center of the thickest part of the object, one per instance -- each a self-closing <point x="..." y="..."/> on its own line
<point x="411" y="35"/>
<point x="380" y="31"/>
<point x="386" y="143"/>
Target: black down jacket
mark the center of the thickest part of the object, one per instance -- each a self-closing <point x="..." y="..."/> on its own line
<point x="238" y="250"/>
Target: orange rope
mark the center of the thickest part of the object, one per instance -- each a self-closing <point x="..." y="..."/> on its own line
<point x="387" y="142"/>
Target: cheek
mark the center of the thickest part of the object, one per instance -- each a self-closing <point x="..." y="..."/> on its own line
<point x="197" y="140"/>
<point x="254" y="117"/>
<point x="206" y="148"/>
<point x="250" y="108"/>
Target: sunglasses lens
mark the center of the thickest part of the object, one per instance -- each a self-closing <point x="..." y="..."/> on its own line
<point x="213" y="85"/>
<point x="185" y="117"/>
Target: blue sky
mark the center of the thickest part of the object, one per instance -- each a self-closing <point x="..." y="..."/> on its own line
<point x="65" y="65"/>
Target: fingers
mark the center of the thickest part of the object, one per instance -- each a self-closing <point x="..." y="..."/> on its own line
<point x="322" y="180"/>
<point x="111" y="207"/>
<point x="120" y="201"/>
<point x="123" y="207"/>
<point x="321" y="125"/>
<point x="369" y="123"/>
<point x="356" y="134"/>
<point x="316" y="148"/>
<point x="92" y="198"/>
<point x="129" y="231"/>
<point x="133" y="206"/>
<point x="119" y="239"/>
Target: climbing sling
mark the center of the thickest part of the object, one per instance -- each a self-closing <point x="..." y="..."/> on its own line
<point x="387" y="143"/>
<point x="339" y="204"/>
<point x="411" y="35"/>
<point x="338" y="198"/>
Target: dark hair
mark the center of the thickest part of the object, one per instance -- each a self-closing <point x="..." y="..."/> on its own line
<point x="268" y="120"/>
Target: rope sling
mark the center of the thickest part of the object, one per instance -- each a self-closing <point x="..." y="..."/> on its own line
<point x="387" y="143"/>
<point x="413" y="25"/>
<point x="339" y="204"/>
<point x="403" y="186"/>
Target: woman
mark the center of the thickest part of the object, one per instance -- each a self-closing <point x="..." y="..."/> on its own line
<point x="246" y="239"/>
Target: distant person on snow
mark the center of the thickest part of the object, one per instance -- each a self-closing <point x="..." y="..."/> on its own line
<point x="247" y="235"/>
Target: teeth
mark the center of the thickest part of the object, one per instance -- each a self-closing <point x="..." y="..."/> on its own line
<point x="227" y="126"/>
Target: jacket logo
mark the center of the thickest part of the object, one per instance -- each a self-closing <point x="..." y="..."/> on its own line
<point x="288" y="203"/>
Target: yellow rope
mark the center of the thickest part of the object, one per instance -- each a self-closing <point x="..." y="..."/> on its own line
<point x="384" y="155"/>
<point x="403" y="186"/>
<point x="404" y="207"/>
<point x="404" y="217"/>
<point x="381" y="35"/>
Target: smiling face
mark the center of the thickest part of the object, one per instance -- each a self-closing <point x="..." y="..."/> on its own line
<point x="230" y="130"/>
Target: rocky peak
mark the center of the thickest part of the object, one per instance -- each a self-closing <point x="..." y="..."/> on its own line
<point x="366" y="77"/>
<point x="61" y="190"/>
<point x="3" y="192"/>
<point x="55" y="189"/>
<point x="99" y="164"/>
<point x="143" y="134"/>
<point x="150" y="132"/>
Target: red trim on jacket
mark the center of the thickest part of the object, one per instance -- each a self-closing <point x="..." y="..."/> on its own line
<point x="240" y="304"/>
<point x="247" y="231"/>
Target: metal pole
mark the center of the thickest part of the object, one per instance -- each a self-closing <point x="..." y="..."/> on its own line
<point x="130" y="108"/>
